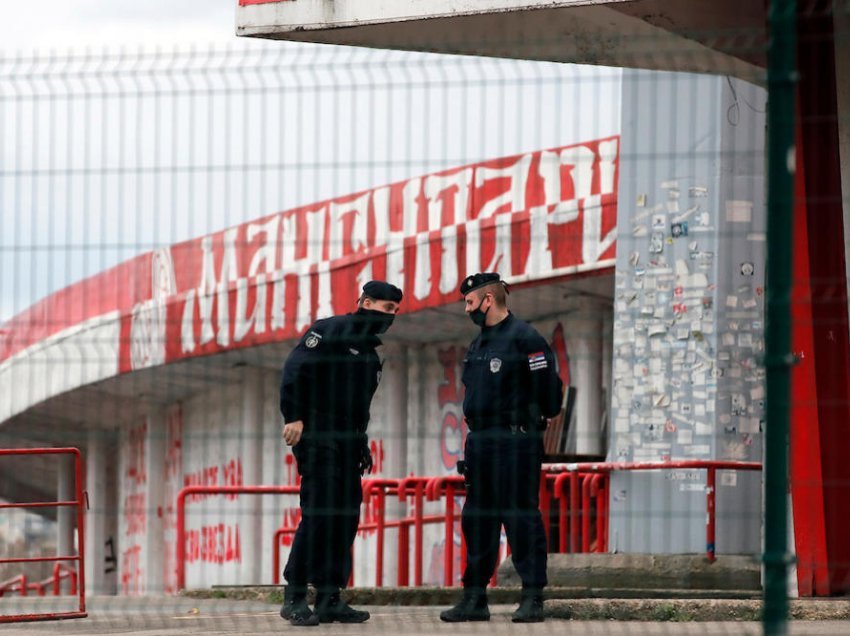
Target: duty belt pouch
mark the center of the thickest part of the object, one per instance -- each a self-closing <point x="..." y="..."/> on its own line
<point x="464" y="471"/>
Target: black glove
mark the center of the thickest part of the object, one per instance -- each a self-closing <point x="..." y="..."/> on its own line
<point x="365" y="459"/>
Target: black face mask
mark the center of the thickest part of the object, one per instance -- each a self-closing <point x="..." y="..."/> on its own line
<point x="377" y="322"/>
<point x="479" y="317"/>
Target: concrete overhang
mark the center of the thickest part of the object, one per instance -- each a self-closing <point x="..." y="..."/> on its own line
<point x="107" y="406"/>
<point x="717" y="36"/>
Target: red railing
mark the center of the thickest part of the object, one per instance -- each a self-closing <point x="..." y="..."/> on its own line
<point x="213" y="490"/>
<point x="54" y="583"/>
<point x="377" y="490"/>
<point x="594" y="483"/>
<point x="580" y="490"/>
<point x="60" y="571"/>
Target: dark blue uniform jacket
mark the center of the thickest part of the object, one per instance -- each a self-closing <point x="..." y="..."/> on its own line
<point x="511" y="377"/>
<point x="331" y="375"/>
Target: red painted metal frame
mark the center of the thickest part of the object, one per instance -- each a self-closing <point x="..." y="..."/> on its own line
<point x="419" y="485"/>
<point x="78" y="502"/>
<point x="582" y="472"/>
<point x="214" y="490"/>
<point x="447" y="486"/>
<point x="588" y="485"/>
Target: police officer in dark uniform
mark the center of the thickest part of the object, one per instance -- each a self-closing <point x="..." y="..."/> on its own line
<point x="326" y="391"/>
<point x="512" y="391"/>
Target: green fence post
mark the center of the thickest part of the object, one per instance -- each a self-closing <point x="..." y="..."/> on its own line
<point x="781" y="81"/>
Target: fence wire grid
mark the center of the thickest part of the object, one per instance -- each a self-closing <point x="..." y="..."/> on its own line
<point x="185" y="237"/>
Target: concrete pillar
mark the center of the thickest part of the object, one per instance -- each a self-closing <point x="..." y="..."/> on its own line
<point x="96" y="516"/>
<point x="607" y="336"/>
<point x="395" y="386"/>
<point x="395" y="390"/>
<point x="155" y="471"/>
<point x="66" y="520"/>
<point x="583" y="330"/>
<point x="253" y="397"/>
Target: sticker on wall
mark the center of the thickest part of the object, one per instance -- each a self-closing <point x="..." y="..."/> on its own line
<point x="697" y="191"/>
<point x="679" y="229"/>
<point x="748" y="269"/>
<point x="693" y="249"/>
<point x="659" y="221"/>
<point x="705" y="259"/>
<point x="656" y="243"/>
<point x="739" y="211"/>
<point x="641" y="201"/>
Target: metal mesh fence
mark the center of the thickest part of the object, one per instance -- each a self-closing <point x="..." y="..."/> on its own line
<point x="186" y="236"/>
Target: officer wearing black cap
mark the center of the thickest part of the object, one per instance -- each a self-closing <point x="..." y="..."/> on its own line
<point x="325" y="394"/>
<point x="512" y="390"/>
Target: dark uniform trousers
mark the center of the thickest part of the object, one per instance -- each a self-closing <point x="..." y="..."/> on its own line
<point x="330" y="512"/>
<point x="502" y="487"/>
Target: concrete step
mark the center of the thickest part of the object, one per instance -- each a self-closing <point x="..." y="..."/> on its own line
<point x="449" y="596"/>
<point x="683" y="572"/>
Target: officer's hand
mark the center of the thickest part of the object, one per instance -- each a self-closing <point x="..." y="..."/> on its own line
<point x="365" y="459"/>
<point x="292" y="432"/>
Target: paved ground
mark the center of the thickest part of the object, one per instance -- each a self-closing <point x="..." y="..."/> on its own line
<point x="179" y="616"/>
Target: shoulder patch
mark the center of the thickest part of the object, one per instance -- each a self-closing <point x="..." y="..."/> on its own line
<point x="312" y="340"/>
<point x="537" y="361"/>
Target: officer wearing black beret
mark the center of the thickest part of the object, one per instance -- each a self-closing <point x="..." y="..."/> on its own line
<point x="512" y="391"/>
<point x="325" y="394"/>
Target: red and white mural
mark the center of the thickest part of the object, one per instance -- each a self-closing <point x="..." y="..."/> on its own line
<point x="269" y="279"/>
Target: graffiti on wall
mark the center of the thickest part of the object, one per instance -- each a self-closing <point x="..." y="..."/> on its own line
<point x="134" y="510"/>
<point x="172" y="483"/>
<point x="218" y="542"/>
<point x="453" y="428"/>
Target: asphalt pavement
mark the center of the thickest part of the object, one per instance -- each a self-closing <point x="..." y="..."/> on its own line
<point x="176" y="616"/>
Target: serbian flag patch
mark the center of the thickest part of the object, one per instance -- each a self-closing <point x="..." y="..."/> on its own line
<point x="537" y="361"/>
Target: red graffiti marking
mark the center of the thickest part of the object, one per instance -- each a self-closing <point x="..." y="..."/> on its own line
<point x="135" y="514"/>
<point x="376" y="447"/>
<point x="214" y="544"/>
<point x="131" y="570"/>
<point x="559" y="348"/>
<point x="230" y="473"/>
<point x="173" y="469"/>
<point x="136" y="471"/>
<point x="450" y="397"/>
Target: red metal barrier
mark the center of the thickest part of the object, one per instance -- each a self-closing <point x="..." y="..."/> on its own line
<point x="20" y="583"/>
<point x="418" y="485"/>
<point x="599" y="489"/>
<point x="213" y="490"/>
<point x="376" y="490"/>
<point x="588" y="495"/>
<point x="447" y="486"/>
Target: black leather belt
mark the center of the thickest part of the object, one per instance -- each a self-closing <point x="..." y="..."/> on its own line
<point x="495" y="423"/>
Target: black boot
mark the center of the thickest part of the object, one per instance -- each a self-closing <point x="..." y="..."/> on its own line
<point x="530" y="609"/>
<point x="331" y="608"/>
<point x="295" y="608"/>
<point x="472" y="607"/>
